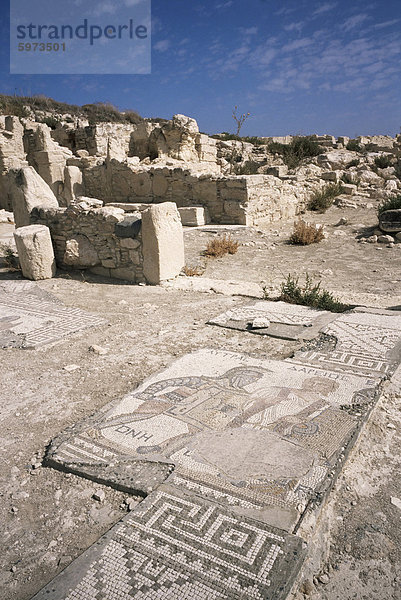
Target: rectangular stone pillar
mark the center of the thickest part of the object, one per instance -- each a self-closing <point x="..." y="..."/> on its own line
<point x="35" y="252"/>
<point x="163" y="242"/>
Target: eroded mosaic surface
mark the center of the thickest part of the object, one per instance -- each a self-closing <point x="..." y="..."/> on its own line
<point x="30" y="318"/>
<point x="179" y="547"/>
<point x="366" y="344"/>
<point x="247" y="432"/>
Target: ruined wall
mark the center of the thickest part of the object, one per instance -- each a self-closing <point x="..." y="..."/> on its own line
<point x="243" y="200"/>
<point x="100" y="239"/>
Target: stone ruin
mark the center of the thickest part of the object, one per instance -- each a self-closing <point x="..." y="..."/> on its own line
<point x="93" y="185"/>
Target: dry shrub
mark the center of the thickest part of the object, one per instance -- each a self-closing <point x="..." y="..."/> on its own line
<point x="193" y="271"/>
<point x="322" y="199"/>
<point x="306" y="233"/>
<point x="221" y="246"/>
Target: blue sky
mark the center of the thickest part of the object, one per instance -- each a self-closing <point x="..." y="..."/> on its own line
<point x="298" y="66"/>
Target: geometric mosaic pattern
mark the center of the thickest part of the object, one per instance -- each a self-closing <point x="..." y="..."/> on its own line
<point x="366" y="344"/>
<point x="29" y="321"/>
<point x="179" y="547"/>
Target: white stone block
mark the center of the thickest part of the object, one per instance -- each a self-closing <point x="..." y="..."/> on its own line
<point x="193" y="216"/>
<point x="35" y="252"/>
<point x="163" y="242"/>
<point x="29" y="190"/>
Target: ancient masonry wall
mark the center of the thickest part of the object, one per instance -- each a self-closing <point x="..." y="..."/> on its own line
<point x="245" y="200"/>
<point x="93" y="238"/>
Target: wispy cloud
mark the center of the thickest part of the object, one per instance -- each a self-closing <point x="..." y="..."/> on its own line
<point x="296" y="26"/>
<point x="297" y="44"/>
<point x="355" y="21"/>
<point x="249" y="30"/>
<point x="105" y="8"/>
<point x="323" y="8"/>
<point x="162" y="46"/>
<point x="222" y="5"/>
<point x="386" y="24"/>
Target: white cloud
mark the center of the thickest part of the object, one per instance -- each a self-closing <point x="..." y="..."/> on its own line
<point x="323" y="8"/>
<point x="222" y="5"/>
<point x="354" y="21"/>
<point x="298" y="44"/>
<point x="105" y="8"/>
<point x="249" y="31"/>
<point x="162" y="46"/>
<point x="386" y="24"/>
<point x="296" y="26"/>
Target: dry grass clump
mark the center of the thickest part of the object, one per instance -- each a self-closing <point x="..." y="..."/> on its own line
<point x="306" y="233"/>
<point x="221" y="246"/>
<point x="193" y="271"/>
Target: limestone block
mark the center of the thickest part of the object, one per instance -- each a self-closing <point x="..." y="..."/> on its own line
<point x="160" y="184"/>
<point x="35" y="252"/>
<point x="29" y="190"/>
<point x="79" y="252"/>
<point x="337" y="159"/>
<point x="193" y="216"/>
<point x="163" y="242"/>
<point x="73" y="186"/>
<point x="277" y="171"/>
<point x="349" y="188"/>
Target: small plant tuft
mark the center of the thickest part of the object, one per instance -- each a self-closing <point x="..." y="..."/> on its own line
<point x="193" y="271"/>
<point x="393" y="203"/>
<point x="353" y="146"/>
<point x="221" y="246"/>
<point x="353" y="163"/>
<point x="309" y="294"/>
<point x="250" y="167"/>
<point x="322" y="199"/>
<point x="295" y="153"/>
<point x="9" y="258"/>
<point x="306" y="233"/>
<point x="383" y="162"/>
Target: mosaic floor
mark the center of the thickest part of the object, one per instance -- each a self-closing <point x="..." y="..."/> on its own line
<point x="179" y="547"/>
<point x="31" y="318"/>
<point x="231" y="451"/>
<point x="229" y="426"/>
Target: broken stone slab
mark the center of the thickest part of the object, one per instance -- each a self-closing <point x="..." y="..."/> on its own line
<point x="35" y="252"/>
<point x="194" y="216"/>
<point x="286" y="321"/>
<point x="163" y="243"/>
<point x="29" y="191"/>
<point x="202" y="551"/>
<point x="390" y="221"/>
<point x="253" y="434"/>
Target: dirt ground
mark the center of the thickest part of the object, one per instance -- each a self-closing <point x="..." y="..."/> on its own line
<point x="48" y="517"/>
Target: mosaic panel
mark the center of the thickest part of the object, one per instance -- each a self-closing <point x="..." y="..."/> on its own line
<point x="30" y="319"/>
<point x="249" y="432"/>
<point x="177" y="547"/>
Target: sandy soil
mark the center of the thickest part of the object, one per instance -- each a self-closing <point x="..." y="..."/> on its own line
<point x="48" y="518"/>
